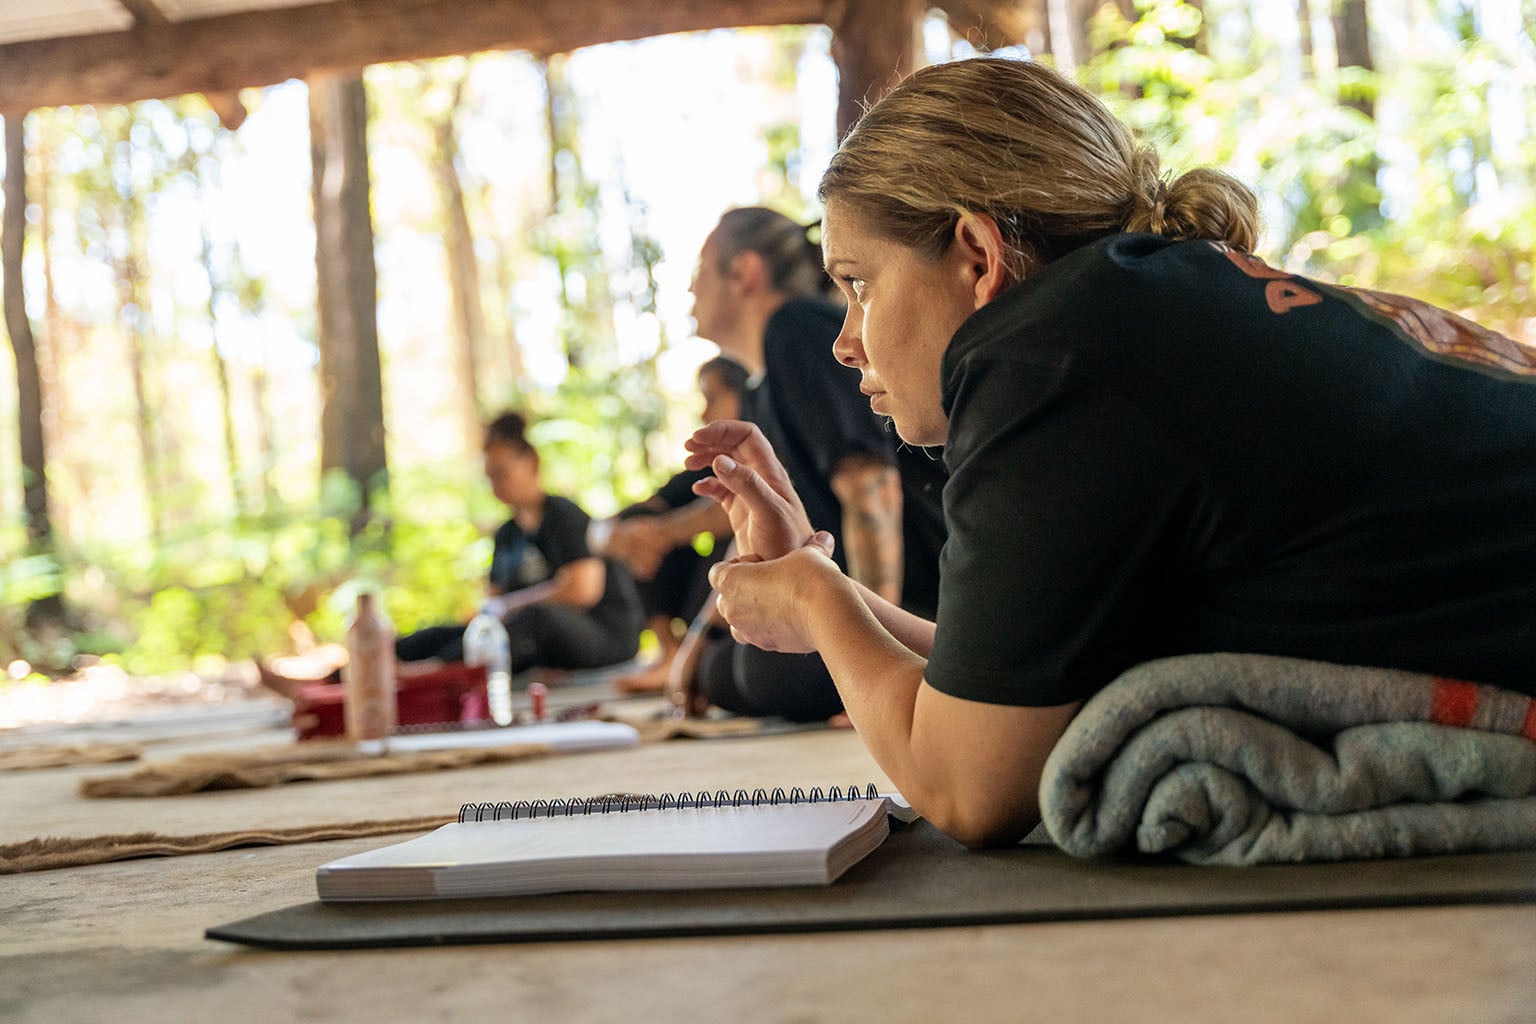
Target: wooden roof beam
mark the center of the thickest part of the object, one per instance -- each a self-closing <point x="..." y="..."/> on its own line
<point x="257" y="48"/>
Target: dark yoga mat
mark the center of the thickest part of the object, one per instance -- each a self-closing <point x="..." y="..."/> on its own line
<point x="918" y="879"/>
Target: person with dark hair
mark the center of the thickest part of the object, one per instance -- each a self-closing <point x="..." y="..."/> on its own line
<point x="760" y="294"/>
<point x="1159" y="448"/>
<point x="673" y="584"/>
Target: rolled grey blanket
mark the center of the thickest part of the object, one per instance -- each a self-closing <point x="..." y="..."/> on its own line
<point x="1251" y="759"/>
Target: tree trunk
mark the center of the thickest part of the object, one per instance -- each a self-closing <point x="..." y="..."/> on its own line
<point x="463" y="271"/>
<point x="125" y="209"/>
<point x="1069" y="37"/>
<point x="351" y="385"/>
<point x="513" y="370"/>
<point x="29" y="388"/>
<point x="58" y="328"/>
<point x="203" y="163"/>
<point x="586" y="293"/>
<point x="875" y="44"/>
<point x="1352" y="37"/>
<point x="1304" y="37"/>
<point x="553" y="67"/>
<point x="226" y="401"/>
<point x="261" y="401"/>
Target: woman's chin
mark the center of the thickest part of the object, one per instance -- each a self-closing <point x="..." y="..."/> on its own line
<point x="917" y="434"/>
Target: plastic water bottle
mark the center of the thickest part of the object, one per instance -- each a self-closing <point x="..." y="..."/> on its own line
<point x="486" y="643"/>
<point x="369" y="675"/>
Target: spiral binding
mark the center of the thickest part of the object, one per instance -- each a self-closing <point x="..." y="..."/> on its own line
<point x="619" y="803"/>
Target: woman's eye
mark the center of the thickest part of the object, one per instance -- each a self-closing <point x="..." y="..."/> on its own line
<point x="856" y="286"/>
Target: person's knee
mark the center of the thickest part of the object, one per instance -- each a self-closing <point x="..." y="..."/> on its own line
<point x="793" y="686"/>
<point x="716" y="677"/>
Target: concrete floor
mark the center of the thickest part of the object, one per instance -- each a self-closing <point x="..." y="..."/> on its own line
<point x="123" y="942"/>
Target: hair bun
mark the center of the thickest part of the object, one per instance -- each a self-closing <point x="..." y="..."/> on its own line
<point x="509" y="427"/>
<point x="1211" y="204"/>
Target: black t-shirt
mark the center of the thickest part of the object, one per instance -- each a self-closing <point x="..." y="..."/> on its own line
<point x="810" y="408"/>
<point x="521" y="559"/>
<point x="678" y="491"/>
<point x="1160" y="448"/>
<point x="675" y="493"/>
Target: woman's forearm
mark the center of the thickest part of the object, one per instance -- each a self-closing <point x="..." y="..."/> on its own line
<point x="876" y="674"/>
<point x="914" y="632"/>
<point x="972" y="769"/>
<point x="579" y="584"/>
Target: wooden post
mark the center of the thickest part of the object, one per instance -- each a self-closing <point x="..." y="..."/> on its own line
<point x="875" y="44"/>
<point x="351" y="388"/>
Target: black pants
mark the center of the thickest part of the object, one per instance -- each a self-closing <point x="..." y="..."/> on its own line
<point x="681" y="583"/>
<point x="750" y="681"/>
<point x="555" y="636"/>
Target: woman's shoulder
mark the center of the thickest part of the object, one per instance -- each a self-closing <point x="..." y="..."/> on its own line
<point x="1097" y="293"/>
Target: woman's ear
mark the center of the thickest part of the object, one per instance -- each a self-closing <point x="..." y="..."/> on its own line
<point x="983" y="254"/>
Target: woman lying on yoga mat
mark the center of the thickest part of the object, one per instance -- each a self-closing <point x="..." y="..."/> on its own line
<point x="1157" y="445"/>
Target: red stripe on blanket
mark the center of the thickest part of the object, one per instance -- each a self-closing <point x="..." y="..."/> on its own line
<point x="1529" y="728"/>
<point x="1453" y="702"/>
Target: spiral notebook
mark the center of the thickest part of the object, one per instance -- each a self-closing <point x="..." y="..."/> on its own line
<point x="625" y="842"/>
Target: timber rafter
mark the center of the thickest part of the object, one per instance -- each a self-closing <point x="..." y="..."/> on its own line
<point x="158" y="58"/>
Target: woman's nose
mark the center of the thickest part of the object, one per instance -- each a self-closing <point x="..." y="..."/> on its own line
<point x="848" y="348"/>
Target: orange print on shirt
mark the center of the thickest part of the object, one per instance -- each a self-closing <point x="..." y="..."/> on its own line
<point x="1433" y="330"/>
<point x="1282" y="292"/>
<point x="1286" y="295"/>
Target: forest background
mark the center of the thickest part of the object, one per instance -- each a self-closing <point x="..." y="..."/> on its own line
<point x="536" y="224"/>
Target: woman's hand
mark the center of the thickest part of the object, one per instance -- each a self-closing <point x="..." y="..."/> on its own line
<point x="752" y="486"/>
<point x="768" y="603"/>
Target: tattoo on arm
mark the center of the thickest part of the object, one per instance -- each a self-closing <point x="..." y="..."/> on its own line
<point x="870" y="493"/>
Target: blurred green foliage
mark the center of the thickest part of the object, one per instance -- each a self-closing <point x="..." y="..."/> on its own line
<point x="233" y="590"/>
<point x="1434" y="197"/>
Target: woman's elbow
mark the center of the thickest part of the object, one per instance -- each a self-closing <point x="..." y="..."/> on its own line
<point x="985" y="823"/>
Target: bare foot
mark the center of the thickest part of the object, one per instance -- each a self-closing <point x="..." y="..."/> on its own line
<point x="276" y="682"/>
<point x="651" y="679"/>
<point x="285" y="675"/>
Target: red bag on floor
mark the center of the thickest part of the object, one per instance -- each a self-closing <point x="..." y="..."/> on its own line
<point x="453" y="694"/>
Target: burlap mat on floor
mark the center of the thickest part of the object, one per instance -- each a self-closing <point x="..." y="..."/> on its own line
<point x="49" y="853"/>
<point x="654" y="730"/>
<point x="62" y="755"/>
<point x="297" y="762"/>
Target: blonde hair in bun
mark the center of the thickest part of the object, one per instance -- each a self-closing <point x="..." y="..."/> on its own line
<point x="1040" y="154"/>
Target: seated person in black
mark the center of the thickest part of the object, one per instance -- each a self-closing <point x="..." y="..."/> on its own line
<point x="758" y="295"/>
<point x="563" y="606"/>
<point x="674" y="585"/>
<point x="1158" y="445"/>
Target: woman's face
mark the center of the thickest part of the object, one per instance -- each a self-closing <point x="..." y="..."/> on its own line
<point x="721" y="402"/>
<point x="903" y="308"/>
<point x="513" y="473"/>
